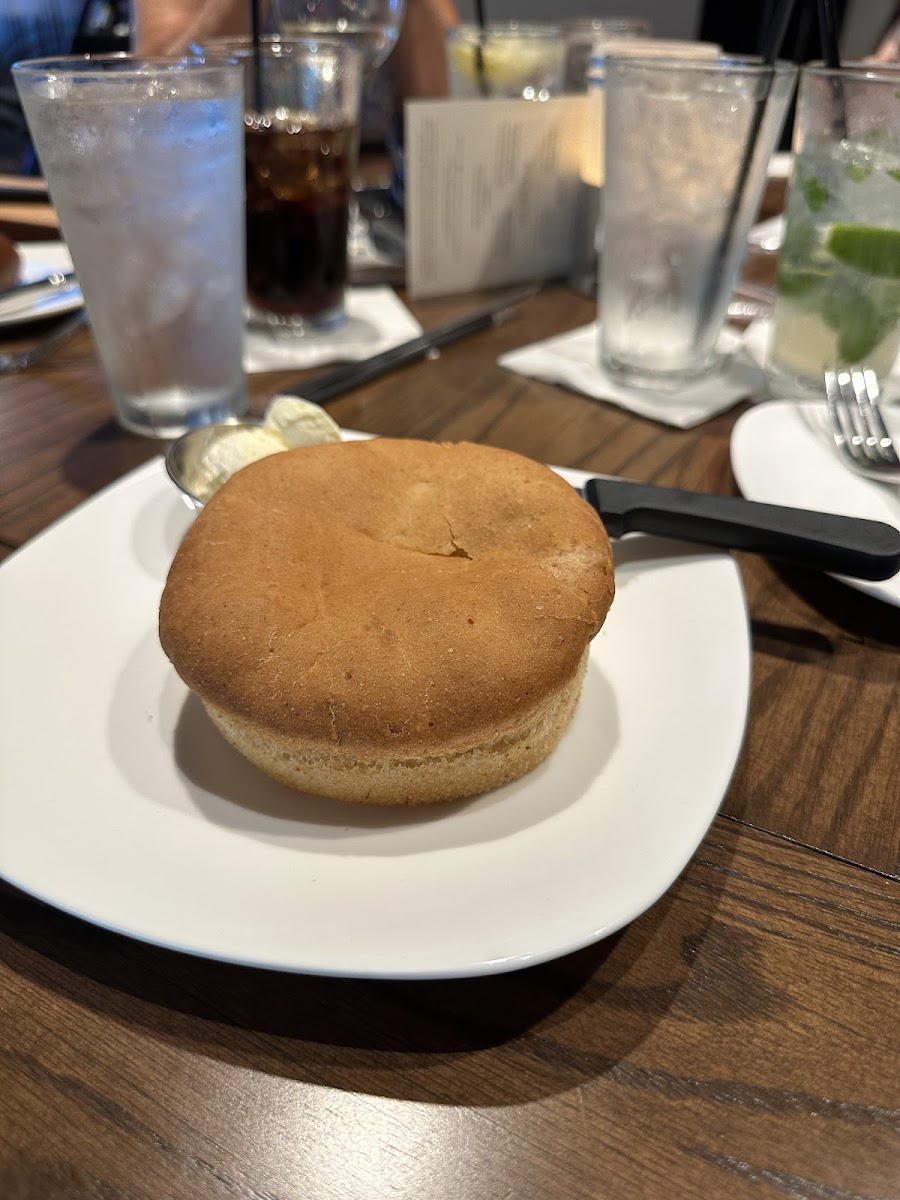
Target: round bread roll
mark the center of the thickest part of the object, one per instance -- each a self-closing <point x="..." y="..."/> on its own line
<point x="392" y="622"/>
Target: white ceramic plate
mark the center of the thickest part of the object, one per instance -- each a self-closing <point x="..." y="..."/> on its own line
<point x="781" y="453"/>
<point x="119" y="801"/>
<point x="37" y="260"/>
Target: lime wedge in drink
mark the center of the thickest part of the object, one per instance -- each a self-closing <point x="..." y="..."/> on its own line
<point x="508" y="64"/>
<point x="856" y="323"/>
<point x="869" y="249"/>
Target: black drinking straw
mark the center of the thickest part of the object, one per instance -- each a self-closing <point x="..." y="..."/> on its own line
<point x="774" y="38"/>
<point x="777" y="32"/>
<point x="828" y="38"/>
<point x="828" y="34"/>
<point x="479" y="49"/>
<point x="257" y="57"/>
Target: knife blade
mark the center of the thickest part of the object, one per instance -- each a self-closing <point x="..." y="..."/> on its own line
<point x="819" y="541"/>
<point x="351" y="375"/>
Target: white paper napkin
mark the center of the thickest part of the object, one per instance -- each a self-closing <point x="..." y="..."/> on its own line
<point x="756" y="341"/>
<point x="572" y="359"/>
<point x="38" y="259"/>
<point x="376" y="321"/>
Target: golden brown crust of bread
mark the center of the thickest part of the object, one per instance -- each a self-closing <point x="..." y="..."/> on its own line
<point x="427" y="779"/>
<point x="387" y="599"/>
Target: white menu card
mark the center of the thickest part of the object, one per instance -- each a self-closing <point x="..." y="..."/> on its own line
<point x="493" y="189"/>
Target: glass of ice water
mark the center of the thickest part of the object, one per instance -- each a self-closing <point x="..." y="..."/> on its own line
<point x="838" y="291"/>
<point x="144" y="160"/>
<point x="687" y="145"/>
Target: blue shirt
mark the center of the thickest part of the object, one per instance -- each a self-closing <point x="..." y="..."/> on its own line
<point x="28" y="29"/>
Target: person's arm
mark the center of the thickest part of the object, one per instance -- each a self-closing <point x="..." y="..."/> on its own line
<point x="888" y="48"/>
<point x="165" y="27"/>
<point x="419" y="64"/>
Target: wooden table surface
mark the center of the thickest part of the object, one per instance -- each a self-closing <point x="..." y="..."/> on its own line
<point x="740" y="1039"/>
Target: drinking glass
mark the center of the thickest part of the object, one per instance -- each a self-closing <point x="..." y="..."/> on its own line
<point x="372" y="25"/>
<point x="584" y="36"/>
<point x="838" y="290"/>
<point x="589" y="229"/>
<point x="302" y="135"/>
<point x="144" y="163"/>
<point x="511" y="60"/>
<point x="687" y="144"/>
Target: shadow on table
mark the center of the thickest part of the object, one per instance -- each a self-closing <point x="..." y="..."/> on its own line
<point x="857" y="614"/>
<point x="537" y="1032"/>
<point x="102" y="456"/>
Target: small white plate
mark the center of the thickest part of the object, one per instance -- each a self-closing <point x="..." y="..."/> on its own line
<point x="781" y="453"/>
<point x="120" y="802"/>
<point x="38" y="260"/>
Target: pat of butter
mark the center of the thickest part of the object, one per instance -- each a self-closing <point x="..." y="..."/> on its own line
<point x="300" y="422"/>
<point x="289" y="422"/>
<point x="235" y="448"/>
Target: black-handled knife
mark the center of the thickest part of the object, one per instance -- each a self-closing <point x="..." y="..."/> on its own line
<point x="344" y="378"/>
<point x="821" y="541"/>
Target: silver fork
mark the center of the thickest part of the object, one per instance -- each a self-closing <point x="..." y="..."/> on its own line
<point x="857" y="425"/>
<point x="46" y="345"/>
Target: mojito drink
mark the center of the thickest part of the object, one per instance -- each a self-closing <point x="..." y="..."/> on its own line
<point x="838" y="301"/>
<point x="145" y="166"/>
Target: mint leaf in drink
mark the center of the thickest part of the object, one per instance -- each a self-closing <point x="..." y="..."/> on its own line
<point x="867" y="248"/>
<point x="801" y="264"/>
<point x="798" y="283"/>
<point x="859" y="171"/>
<point x="815" y="193"/>
<point x="841" y="303"/>
<point x="800" y="243"/>
<point x="894" y="172"/>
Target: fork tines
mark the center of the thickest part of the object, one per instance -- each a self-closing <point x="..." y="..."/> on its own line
<point x="857" y="425"/>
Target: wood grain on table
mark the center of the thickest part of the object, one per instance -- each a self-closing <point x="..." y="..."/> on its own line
<point x="733" y="1041"/>
<point x="27" y="222"/>
<point x="740" y="1039"/>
